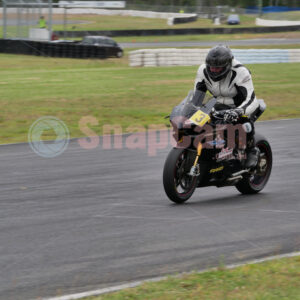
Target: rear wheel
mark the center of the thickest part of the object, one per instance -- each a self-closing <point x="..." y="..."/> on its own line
<point x="178" y="185"/>
<point x="255" y="182"/>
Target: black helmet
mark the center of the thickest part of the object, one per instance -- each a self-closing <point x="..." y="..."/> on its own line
<point x="218" y="62"/>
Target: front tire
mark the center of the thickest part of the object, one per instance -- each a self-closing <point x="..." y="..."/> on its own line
<point x="255" y="183"/>
<point x="178" y="185"/>
<point x="119" y="54"/>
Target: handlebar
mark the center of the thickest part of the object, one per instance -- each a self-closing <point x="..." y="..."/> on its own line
<point x="219" y="114"/>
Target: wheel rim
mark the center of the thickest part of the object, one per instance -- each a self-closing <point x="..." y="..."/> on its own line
<point x="184" y="184"/>
<point x="263" y="169"/>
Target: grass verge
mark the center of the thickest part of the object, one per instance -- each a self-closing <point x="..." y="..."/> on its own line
<point x="277" y="279"/>
<point x="98" y="22"/>
<point x="114" y="93"/>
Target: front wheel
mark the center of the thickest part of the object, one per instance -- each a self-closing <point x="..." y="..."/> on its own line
<point x="256" y="182"/>
<point x="178" y="185"/>
<point x="119" y="54"/>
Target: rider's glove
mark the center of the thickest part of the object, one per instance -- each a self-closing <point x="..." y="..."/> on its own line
<point x="232" y="115"/>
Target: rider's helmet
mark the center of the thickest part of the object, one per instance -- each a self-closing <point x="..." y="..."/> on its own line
<point x="218" y="62"/>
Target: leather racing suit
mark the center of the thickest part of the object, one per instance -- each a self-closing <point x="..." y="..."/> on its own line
<point x="235" y="90"/>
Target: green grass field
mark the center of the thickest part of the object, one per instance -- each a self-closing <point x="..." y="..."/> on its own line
<point x="114" y="93"/>
<point x="98" y="22"/>
<point x="274" y="280"/>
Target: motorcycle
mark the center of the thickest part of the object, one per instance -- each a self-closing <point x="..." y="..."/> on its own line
<point x="210" y="151"/>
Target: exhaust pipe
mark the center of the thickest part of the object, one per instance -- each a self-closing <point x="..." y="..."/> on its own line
<point x="235" y="178"/>
<point x="240" y="173"/>
<point x="237" y="175"/>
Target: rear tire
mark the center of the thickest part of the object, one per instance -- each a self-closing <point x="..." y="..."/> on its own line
<point x="178" y="185"/>
<point x="255" y="183"/>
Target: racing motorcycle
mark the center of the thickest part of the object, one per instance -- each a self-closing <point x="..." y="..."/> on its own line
<point x="210" y="151"/>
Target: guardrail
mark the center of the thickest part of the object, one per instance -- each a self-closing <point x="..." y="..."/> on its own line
<point x="264" y="22"/>
<point x="182" y="18"/>
<point x="191" y="57"/>
<point x="179" y="31"/>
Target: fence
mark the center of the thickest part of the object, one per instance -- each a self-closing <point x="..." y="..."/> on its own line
<point x="271" y="9"/>
<point x="191" y="57"/>
<point x="20" y="16"/>
<point x="52" y="49"/>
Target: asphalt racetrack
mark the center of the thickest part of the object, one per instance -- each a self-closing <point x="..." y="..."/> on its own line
<point x="97" y="218"/>
<point x="250" y="42"/>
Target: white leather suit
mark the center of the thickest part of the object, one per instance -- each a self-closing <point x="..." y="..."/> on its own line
<point x="235" y="90"/>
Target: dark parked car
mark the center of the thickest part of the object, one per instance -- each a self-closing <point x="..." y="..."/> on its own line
<point x="113" y="48"/>
<point x="233" y="20"/>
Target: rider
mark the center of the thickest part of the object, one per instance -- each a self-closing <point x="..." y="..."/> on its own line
<point x="42" y="22"/>
<point x="231" y="84"/>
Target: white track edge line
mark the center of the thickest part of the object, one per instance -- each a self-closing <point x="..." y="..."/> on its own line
<point x="137" y="283"/>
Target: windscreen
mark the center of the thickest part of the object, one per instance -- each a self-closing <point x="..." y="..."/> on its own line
<point x="191" y="104"/>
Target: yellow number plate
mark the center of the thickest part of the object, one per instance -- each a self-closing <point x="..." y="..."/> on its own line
<point x="200" y="118"/>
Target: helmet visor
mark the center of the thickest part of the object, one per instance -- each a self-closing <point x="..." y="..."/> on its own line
<point x="216" y="70"/>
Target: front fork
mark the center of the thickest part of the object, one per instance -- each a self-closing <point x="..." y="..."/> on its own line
<point x="195" y="169"/>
